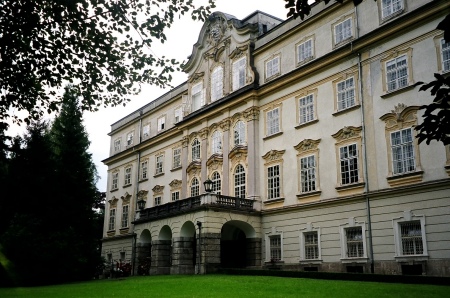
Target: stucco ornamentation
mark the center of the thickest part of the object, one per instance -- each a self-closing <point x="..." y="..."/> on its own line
<point x="307" y="145"/>
<point x="158" y="189"/>
<point x="348" y="132"/>
<point x="142" y="194"/>
<point x="273" y="155"/>
<point x="175" y="184"/>
<point x="251" y="114"/>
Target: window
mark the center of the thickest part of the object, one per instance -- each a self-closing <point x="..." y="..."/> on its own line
<point x="273" y="121"/>
<point x="176" y="163"/>
<point x="390" y="7"/>
<point x="308" y="173"/>
<point x="354" y="242"/>
<point x="115" y="180"/>
<point x="178" y="114"/>
<point x="175" y="196"/>
<point x="216" y="183"/>
<point x="117" y="145"/>
<point x="128" y="176"/>
<point x="403" y="159"/>
<point x="273" y="182"/>
<point x="157" y="201"/>
<point x="411" y="238"/>
<point x="195" y="188"/>
<point x="125" y="216"/>
<point x="146" y="131"/>
<point x="343" y="31"/>
<point x="345" y="94"/>
<point x="273" y="67"/>
<point x="144" y="169"/>
<point x="397" y="73"/>
<point x="197" y="96"/>
<point x="217" y="83"/>
<point x="159" y="164"/>
<point x="216" y="144"/>
<point x="311" y="245"/>
<point x="112" y="219"/>
<point x="275" y="247"/>
<point x="305" y="51"/>
<point x="348" y="156"/>
<point x="239" y="73"/>
<point x="445" y="52"/>
<point x="122" y="256"/>
<point x="195" y="150"/>
<point x="161" y="123"/>
<point x="306" y="111"/>
<point x="239" y="133"/>
<point x="239" y="182"/>
<point x="130" y="138"/>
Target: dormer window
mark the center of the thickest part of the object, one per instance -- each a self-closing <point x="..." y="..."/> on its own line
<point x="130" y="138"/>
<point x="197" y="96"/>
<point x="239" y="67"/>
<point x="217" y="83"/>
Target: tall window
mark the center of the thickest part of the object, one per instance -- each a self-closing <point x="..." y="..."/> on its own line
<point x="217" y="183"/>
<point x="306" y="112"/>
<point x="125" y="216"/>
<point x="273" y="121"/>
<point x="411" y="237"/>
<point x="157" y="201"/>
<point x="403" y="159"/>
<point x="216" y="144"/>
<point x="115" y="180"/>
<point x="239" y="73"/>
<point x="343" y="31"/>
<point x="195" y="150"/>
<point x="345" y="94"/>
<point x="275" y="247"/>
<point x="389" y="7"/>
<point x="354" y="242"/>
<point x="130" y="138"/>
<point x="195" y="187"/>
<point x="397" y="73"/>
<point x="159" y="164"/>
<point x="311" y="242"/>
<point x="176" y="158"/>
<point x="146" y="131"/>
<point x="304" y="51"/>
<point x="348" y="156"/>
<point x="239" y="182"/>
<point x="144" y="169"/>
<point x="161" y="123"/>
<point x="178" y="115"/>
<point x="308" y="173"/>
<point x="239" y="133"/>
<point x="273" y="67"/>
<point x="112" y="219"/>
<point x="128" y="176"/>
<point x="217" y="83"/>
<point x="117" y="145"/>
<point x="197" y="96"/>
<point x="273" y="182"/>
<point x="445" y="51"/>
<point x="175" y="196"/>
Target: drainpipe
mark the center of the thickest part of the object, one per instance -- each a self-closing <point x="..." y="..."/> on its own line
<point x="199" y="224"/>
<point x="134" y="240"/>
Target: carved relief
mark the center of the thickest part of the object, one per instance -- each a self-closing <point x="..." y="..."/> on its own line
<point x="196" y="77"/>
<point x="185" y="141"/>
<point x="251" y="114"/>
<point x="307" y="145"/>
<point x="214" y="162"/>
<point x="113" y="202"/>
<point x="347" y="133"/>
<point x="204" y="133"/>
<point x="194" y="170"/>
<point x="225" y="124"/>
<point x="273" y="155"/>
<point x="238" y="52"/>
<point x="158" y="189"/>
<point x="401" y="116"/>
<point x="126" y="198"/>
<point x="216" y="29"/>
<point x="142" y="194"/>
<point x="238" y="156"/>
<point x="175" y="184"/>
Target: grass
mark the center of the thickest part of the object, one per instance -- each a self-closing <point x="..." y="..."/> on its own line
<point x="227" y="286"/>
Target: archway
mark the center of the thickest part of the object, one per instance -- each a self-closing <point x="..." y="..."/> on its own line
<point x="144" y="252"/>
<point x="235" y="249"/>
<point x="162" y="252"/>
<point x="184" y="252"/>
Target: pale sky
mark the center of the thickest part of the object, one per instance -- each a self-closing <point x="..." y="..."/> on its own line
<point x="181" y="37"/>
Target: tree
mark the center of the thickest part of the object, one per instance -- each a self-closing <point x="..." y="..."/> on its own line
<point x="104" y="46"/>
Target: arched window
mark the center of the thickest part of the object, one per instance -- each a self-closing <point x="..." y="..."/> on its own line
<point x="195" y="187"/>
<point x="195" y="150"/>
<point x="239" y="133"/>
<point x="217" y="183"/>
<point x="216" y="142"/>
<point x="217" y="83"/>
<point x="239" y="182"/>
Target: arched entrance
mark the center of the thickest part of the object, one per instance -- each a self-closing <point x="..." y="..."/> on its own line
<point x="162" y="252"/>
<point x="236" y="245"/>
<point x="144" y="251"/>
<point x="185" y="250"/>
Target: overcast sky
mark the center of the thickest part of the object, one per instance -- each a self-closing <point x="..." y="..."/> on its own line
<point x="181" y="38"/>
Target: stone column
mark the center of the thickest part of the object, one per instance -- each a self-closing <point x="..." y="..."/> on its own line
<point x="184" y="165"/>
<point x="225" y="125"/>
<point x="252" y="115"/>
<point x="161" y="257"/>
<point x="204" y="156"/>
<point x="209" y="250"/>
<point x="183" y="255"/>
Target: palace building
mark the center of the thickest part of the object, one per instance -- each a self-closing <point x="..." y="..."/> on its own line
<point x="290" y="145"/>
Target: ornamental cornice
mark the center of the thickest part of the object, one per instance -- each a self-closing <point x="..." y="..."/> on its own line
<point x="307" y="145"/>
<point x="142" y="194"/>
<point x="401" y="116"/>
<point x="225" y="124"/>
<point x="175" y="184"/>
<point x="251" y="113"/>
<point x="185" y="141"/>
<point x="238" y="52"/>
<point x="126" y="197"/>
<point x="196" y="77"/>
<point x="204" y="133"/>
<point x="214" y="162"/>
<point x="348" y="132"/>
<point x="194" y="167"/>
<point x="273" y="155"/>
<point x="113" y="201"/>
<point x="158" y="189"/>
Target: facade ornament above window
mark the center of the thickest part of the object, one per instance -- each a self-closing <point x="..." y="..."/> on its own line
<point x="126" y="197"/>
<point x="204" y="133"/>
<point x="113" y="201"/>
<point x="175" y="184"/>
<point x="216" y="29"/>
<point x="185" y="141"/>
<point x="158" y="189"/>
<point x="238" y="52"/>
<point x="307" y="145"/>
<point x="348" y="132"/>
<point x="225" y="124"/>
<point x="196" y="77"/>
<point x="214" y="162"/>
<point x="142" y="194"/>
<point x="273" y="155"/>
<point x="401" y="116"/>
<point x="251" y="113"/>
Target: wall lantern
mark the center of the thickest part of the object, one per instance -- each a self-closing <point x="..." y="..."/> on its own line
<point x="208" y="185"/>
<point x="141" y="204"/>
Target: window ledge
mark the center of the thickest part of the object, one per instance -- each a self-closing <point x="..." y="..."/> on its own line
<point x="407" y="178"/>
<point x="350" y="186"/>
<point x="111" y="233"/>
<point x="175" y="169"/>
<point x="306" y="123"/>
<point x="303" y="62"/>
<point x="309" y="194"/>
<point x="409" y="258"/>
<point x="272" y="77"/>
<point x="273" y="201"/>
<point x="355" y="107"/>
<point x="311" y="261"/>
<point x="392" y="16"/>
<point x="354" y="260"/>
<point x="159" y="174"/>
<point x="273" y="135"/>
<point x="398" y="91"/>
<point x="127" y="185"/>
<point x="343" y="42"/>
<point x="143" y="179"/>
<point x="113" y="190"/>
<point x="124" y="230"/>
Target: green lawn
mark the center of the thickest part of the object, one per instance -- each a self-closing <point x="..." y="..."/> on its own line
<point x="227" y="286"/>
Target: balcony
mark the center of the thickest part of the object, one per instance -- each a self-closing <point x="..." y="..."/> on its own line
<point x="206" y="201"/>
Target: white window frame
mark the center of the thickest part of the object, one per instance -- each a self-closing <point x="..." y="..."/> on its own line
<point x="273" y="121"/>
<point x="146" y="131"/>
<point x="239" y="133"/>
<point x="347" y="161"/>
<point x="306" y="109"/>
<point x="239" y="73"/>
<point x="268" y="253"/>
<point x="176" y="158"/>
<point x="130" y="137"/>
<point x="178" y="114"/>
<point x="115" y="181"/>
<point x="273" y="67"/>
<point x="216" y="142"/>
<point x="125" y="213"/>
<point x="240" y="178"/>
<point x="195" y="187"/>
<point x="346" y="94"/>
<point x="274" y="182"/>
<point x="308" y="176"/>
<point x="306" y="246"/>
<point x="389" y="8"/>
<point x="197" y="97"/>
<point x="195" y="149"/>
<point x="445" y="53"/>
<point x="216" y="183"/>
<point x="175" y="196"/>
<point x="127" y="176"/>
<point x="157" y="201"/>
<point x="117" y="145"/>
<point x="405" y="160"/>
<point x="112" y="219"/>
<point x="344" y="229"/>
<point x="159" y="164"/>
<point x="305" y="51"/>
<point x="397" y="82"/>
<point x="217" y="83"/>
<point x="343" y="33"/>
<point x="144" y="170"/>
<point x="409" y="217"/>
<point x="161" y="123"/>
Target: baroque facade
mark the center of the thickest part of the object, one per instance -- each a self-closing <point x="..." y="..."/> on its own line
<point x="305" y="131"/>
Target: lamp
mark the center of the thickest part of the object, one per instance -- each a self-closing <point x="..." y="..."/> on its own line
<point x="208" y="185"/>
<point x="141" y="204"/>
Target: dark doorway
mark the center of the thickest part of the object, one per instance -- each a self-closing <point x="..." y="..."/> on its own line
<point x="412" y="269"/>
<point x="233" y="251"/>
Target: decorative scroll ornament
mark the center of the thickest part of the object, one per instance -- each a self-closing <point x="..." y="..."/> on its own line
<point x="348" y="132"/>
<point x="307" y="145"/>
<point x="158" y="189"/>
<point x="142" y="194"/>
<point x="273" y="155"/>
<point x="175" y="184"/>
<point x="216" y="29"/>
<point x="251" y="113"/>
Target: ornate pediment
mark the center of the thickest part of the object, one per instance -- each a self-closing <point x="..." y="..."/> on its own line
<point x="215" y="53"/>
<point x="238" y="52"/>
<point x="158" y="189"/>
<point x="216" y="29"/>
<point x="273" y="155"/>
<point x="237" y="152"/>
<point x="175" y="184"/>
<point x="307" y="145"/>
<point x="113" y="201"/>
<point x="126" y="197"/>
<point x="348" y="132"/>
<point x="225" y="124"/>
<point x="194" y="167"/>
<point x="196" y="77"/>
<point x="204" y="133"/>
<point x="214" y="162"/>
<point x="142" y="194"/>
<point x="401" y="116"/>
<point x="251" y="113"/>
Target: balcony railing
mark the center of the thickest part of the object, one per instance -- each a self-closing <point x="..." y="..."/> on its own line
<point x="180" y="206"/>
